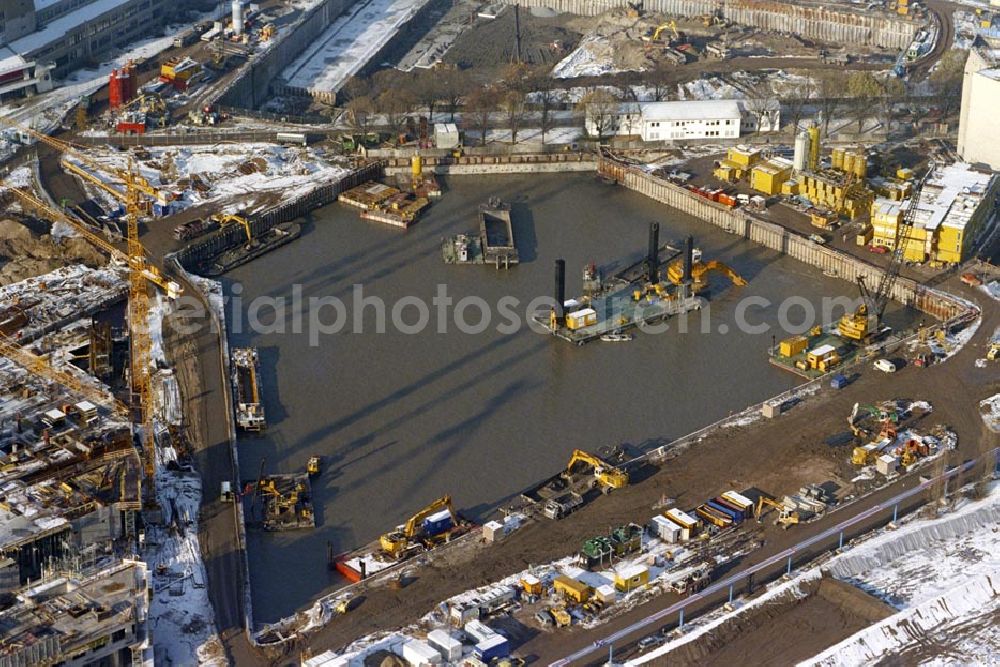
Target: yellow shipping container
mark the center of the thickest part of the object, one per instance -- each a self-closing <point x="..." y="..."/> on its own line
<point x="769" y="176"/>
<point x="743" y="156"/>
<point x="573" y="589"/>
<point x="581" y="318"/>
<point x="792" y="346"/>
<point x="632" y="577"/>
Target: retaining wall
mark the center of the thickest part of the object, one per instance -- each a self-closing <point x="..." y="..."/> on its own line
<point x="499" y="164"/>
<point x="234" y="235"/>
<point x="251" y="86"/>
<point x="821" y="23"/>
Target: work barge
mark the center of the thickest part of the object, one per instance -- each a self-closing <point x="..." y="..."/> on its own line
<point x="634" y="297"/>
<point x="246" y="385"/>
<point x="281" y="502"/>
<point x="495" y="243"/>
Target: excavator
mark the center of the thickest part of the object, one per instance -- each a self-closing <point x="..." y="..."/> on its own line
<point x="284" y="503"/>
<point x="654" y="35"/>
<point x="396" y="543"/>
<point x="699" y="273"/>
<point x="228" y="219"/>
<point x="865" y="322"/>
<point x="607" y="476"/>
<point x="786" y="517"/>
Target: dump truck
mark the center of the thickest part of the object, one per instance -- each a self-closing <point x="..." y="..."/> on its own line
<point x="564" y="505"/>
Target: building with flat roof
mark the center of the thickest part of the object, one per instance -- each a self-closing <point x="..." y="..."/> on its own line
<point x="669" y="121"/>
<point x="951" y="210"/>
<point x="979" y="123"/>
<point x="67" y="34"/>
<point x="98" y="618"/>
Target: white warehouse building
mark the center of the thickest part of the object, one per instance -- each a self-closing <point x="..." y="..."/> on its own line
<point x="682" y="120"/>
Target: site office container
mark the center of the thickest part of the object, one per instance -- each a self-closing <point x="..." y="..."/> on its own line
<point x="571" y="588"/>
<point x="739" y="500"/>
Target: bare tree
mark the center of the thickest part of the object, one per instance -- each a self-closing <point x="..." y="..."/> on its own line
<point x="830" y="89"/>
<point x="512" y="103"/>
<point x="865" y="91"/>
<point x="659" y="80"/>
<point x="395" y="103"/>
<point x="797" y="102"/>
<point x="356" y="87"/>
<point x="360" y="111"/>
<point x="426" y="88"/>
<point x="480" y="105"/>
<point x="892" y="91"/>
<point x="947" y="80"/>
<point x="600" y="112"/>
<point x="541" y="88"/>
<point x="454" y="85"/>
<point x="759" y="102"/>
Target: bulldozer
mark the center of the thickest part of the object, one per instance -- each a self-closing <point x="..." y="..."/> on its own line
<point x="396" y="543"/>
<point x="607" y="476"/>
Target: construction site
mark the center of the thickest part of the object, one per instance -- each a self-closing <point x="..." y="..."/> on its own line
<point x="253" y="412"/>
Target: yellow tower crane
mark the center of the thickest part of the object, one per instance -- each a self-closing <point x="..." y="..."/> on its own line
<point x="140" y="271"/>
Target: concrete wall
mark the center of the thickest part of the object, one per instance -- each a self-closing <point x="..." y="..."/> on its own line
<point x="776" y="237"/>
<point x="979" y="124"/>
<point x="251" y="87"/>
<point x="820" y="23"/>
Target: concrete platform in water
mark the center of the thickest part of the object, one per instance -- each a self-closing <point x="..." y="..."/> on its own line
<point x="494" y="245"/>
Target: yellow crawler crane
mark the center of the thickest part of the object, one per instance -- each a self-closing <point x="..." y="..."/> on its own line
<point x="608" y="476"/>
<point x="396" y="543"/>
<point x="228" y="219"/>
<point x="700" y="271"/>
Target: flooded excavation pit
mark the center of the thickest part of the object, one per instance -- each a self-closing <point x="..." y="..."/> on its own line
<point x="436" y="380"/>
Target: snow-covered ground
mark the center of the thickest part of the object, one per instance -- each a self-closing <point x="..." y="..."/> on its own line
<point x="349" y="43"/>
<point x="989" y="408"/>
<point x="943" y="575"/>
<point x="290" y="171"/>
<point x="594" y="56"/>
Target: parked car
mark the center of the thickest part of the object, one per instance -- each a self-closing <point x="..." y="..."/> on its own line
<point x="971" y="279"/>
<point x="885" y="365"/>
<point x="878" y="249"/>
<point x="649" y="642"/>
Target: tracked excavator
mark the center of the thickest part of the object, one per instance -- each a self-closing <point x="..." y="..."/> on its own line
<point x="396" y="543"/>
<point x="607" y="476"/>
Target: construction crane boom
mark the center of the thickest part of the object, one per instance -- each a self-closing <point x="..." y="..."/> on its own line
<point x="149" y="271"/>
<point x="42" y="367"/>
<point x="864" y="322"/>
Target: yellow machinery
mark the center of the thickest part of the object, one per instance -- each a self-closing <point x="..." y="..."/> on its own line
<point x="395" y="543"/>
<point x="785" y="518"/>
<point x="561" y="617"/>
<point x="655" y="36"/>
<point x="607" y="475"/>
<point x="864" y="322"/>
<point x="228" y="219"/>
<point x="994" y="352"/>
<point x="140" y="271"/>
<point x="572" y="589"/>
<point x="312" y="467"/>
<point x="282" y="502"/>
<point x="699" y="273"/>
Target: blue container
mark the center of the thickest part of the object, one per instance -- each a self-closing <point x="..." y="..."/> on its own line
<point x="436" y="527"/>
<point x="732" y="507"/>
<point x="735" y="515"/>
<point x="160" y="210"/>
<point x="838" y="381"/>
<point x="493" y="648"/>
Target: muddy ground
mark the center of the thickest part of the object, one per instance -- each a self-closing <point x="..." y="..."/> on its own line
<point x="786" y="631"/>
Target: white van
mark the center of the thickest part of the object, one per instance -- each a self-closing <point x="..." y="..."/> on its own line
<point x="885" y="366"/>
<point x="226" y="492"/>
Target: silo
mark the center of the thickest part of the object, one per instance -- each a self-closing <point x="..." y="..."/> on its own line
<point x="801" y="158"/>
<point x="814" y="147"/>
<point x="237" y="18"/>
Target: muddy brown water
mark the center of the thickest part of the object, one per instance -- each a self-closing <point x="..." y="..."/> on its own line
<point x="402" y="419"/>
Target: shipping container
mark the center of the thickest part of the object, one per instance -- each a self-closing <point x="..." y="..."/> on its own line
<point x="739" y="500"/>
<point x="720" y="505"/>
<point x="291" y="138"/>
<point x="665" y="529"/>
<point x="714" y="516"/>
<point x="492" y="649"/>
<point x="581" y="318"/>
<point x="420" y="654"/>
<point x="449" y="647"/>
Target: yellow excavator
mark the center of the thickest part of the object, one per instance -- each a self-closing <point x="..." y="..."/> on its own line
<point x="396" y="543"/>
<point x="785" y="518"/>
<point x="282" y="502"/>
<point x="228" y="219"/>
<point x="654" y="36"/>
<point x="699" y="273"/>
<point x="607" y="476"/>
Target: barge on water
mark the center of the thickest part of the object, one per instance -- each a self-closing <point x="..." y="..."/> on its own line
<point x="633" y="297"/>
<point x="495" y="243"/>
<point x="246" y="384"/>
<point x="431" y="527"/>
<point x="384" y="203"/>
<point x="282" y="502"/>
<point x="273" y="238"/>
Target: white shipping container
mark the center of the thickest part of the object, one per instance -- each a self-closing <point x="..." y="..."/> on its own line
<point x="666" y="529"/>
<point x="420" y="654"/>
<point x="737" y="499"/>
<point x="449" y="647"/>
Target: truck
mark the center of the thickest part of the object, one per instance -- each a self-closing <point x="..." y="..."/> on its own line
<point x="993" y="351"/>
<point x="186" y="38"/>
<point x="562" y="506"/>
<point x="189" y="230"/>
<point x="226" y="492"/>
